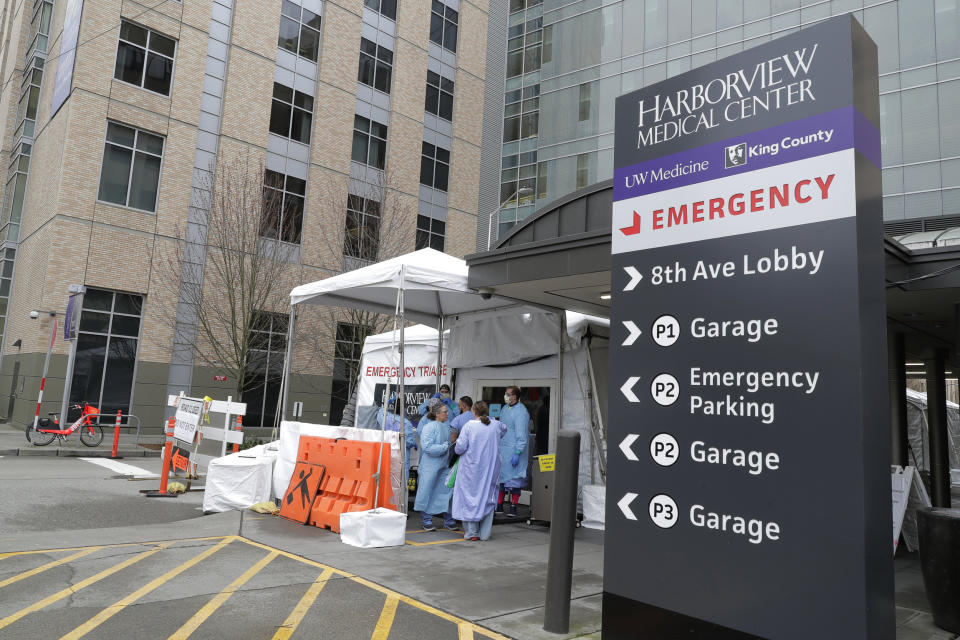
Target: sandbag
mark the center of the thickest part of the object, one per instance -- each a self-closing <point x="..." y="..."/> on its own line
<point x="373" y="528"/>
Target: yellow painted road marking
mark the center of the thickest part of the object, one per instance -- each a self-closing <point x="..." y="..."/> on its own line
<point x="118" y="606"/>
<point x="49" y="565"/>
<point x="427" y="544"/>
<point x="107" y="546"/>
<point x="60" y="595"/>
<point x="207" y="610"/>
<point x="385" y="623"/>
<point x="466" y="631"/>
<point x="296" y="616"/>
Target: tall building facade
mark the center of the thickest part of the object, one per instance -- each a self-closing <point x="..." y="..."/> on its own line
<point x="561" y="64"/>
<point x="120" y="116"/>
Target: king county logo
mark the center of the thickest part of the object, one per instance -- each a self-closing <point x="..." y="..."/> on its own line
<point x="735" y="156"/>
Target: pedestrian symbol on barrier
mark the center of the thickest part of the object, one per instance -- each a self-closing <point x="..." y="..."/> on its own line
<point x="302" y="491"/>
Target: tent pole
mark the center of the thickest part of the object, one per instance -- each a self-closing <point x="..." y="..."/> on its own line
<point x="403" y="374"/>
<point x="439" y="354"/>
<point x="288" y="362"/>
<point x="562" y="316"/>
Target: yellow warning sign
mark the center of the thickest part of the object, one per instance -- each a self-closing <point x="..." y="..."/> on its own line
<point x="547" y="463"/>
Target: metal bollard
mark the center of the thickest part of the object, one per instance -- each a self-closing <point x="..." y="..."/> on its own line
<point x="116" y="436"/>
<point x="165" y="471"/>
<point x="236" y="445"/>
<point x="556" y="612"/>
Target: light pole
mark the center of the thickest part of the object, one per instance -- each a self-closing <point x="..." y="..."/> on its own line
<point x="46" y="361"/>
<point x="522" y="191"/>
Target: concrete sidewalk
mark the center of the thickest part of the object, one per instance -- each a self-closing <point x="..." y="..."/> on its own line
<point x="498" y="584"/>
<point x="13" y="442"/>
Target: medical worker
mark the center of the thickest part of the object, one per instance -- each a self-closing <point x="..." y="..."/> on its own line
<point x="478" y="473"/>
<point x="444" y="396"/>
<point x="513" y="450"/>
<point x="433" y="495"/>
<point x="409" y="435"/>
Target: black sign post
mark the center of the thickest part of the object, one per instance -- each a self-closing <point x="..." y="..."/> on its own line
<point x="748" y="492"/>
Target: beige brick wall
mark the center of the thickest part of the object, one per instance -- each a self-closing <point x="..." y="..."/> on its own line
<point x="340" y="50"/>
<point x="409" y="80"/>
<point x="247" y="99"/>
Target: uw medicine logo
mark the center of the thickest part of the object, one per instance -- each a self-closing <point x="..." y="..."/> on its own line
<point x="735" y="156"/>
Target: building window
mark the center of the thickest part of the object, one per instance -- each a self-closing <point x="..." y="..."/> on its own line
<point x="299" y="31"/>
<point x="291" y="114"/>
<point x="518" y="179"/>
<point x="283" y="198"/>
<point x="362" y="232"/>
<point x="520" y="5"/>
<point x="145" y="58"/>
<point x="106" y="359"/>
<point x="524" y="49"/>
<point x="521" y="114"/>
<point x="439" y="96"/>
<point x="369" y="142"/>
<point x="376" y="65"/>
<point x="584" y="102"/>
<point x="583" y="170"/>
<point x="346" y="360"/>
<point x="384" y="7"/>
<point x="443" y="26"/>
<point x="130" y="173"/>
<point x="434" y="166"/>
<point x="430" y="233"/>
<point x="267" y="346"/>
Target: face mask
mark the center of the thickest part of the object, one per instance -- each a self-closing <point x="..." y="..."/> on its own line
<point x="506" y="398"/>
<point x="444" y="395"/>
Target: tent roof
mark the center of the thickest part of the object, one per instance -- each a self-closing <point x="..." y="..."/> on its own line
<point x="434" y="284"/>
<point x="417" y="334"/>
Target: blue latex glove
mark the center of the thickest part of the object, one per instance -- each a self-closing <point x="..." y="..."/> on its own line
<point x="515" y="460"/>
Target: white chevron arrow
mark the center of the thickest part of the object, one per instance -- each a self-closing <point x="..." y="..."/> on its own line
<point x="624" y="505"/>
<point x="634" y="332"/>
<point x="635" y="278"/>
<point x="626" y="444"/>
<point x="627" y="389"/>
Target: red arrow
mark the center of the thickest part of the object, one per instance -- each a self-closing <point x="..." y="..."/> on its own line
<point x="629" y="231"/>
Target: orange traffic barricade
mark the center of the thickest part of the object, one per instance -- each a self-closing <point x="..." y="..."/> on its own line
<point x="348" y="482"/>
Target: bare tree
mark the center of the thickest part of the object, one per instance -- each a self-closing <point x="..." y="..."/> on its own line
<point x="239" y="291"/>
<point x="378" y="223"/>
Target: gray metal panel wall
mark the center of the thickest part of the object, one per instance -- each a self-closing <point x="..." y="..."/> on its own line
<point x="492" y="118"/>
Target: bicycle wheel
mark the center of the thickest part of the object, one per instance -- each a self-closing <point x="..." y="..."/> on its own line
<point x="38" y="438"/>
<point x="91" y="435"/>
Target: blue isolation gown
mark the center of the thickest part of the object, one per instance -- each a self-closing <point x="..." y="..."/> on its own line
<point x="517" y="420"/>
<point x="433" y="495"/>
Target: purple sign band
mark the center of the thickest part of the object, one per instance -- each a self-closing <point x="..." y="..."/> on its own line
<point x="807" y="138"/>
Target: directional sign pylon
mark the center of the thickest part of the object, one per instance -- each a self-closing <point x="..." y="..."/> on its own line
<point x="635" y="278"/>
<point x="627" y="389"/>
<point x="624" y="505"/>
<point x="634" y="332"/>
<point x="626" y="444"/>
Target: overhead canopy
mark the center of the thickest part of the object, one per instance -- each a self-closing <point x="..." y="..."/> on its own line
<point x="434" y="284"/>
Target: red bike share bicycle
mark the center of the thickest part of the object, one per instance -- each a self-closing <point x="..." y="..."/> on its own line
<point x="91" y="433"/>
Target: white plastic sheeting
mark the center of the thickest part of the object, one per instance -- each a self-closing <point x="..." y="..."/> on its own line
<point x="290" y="433"/>
<point x="502" y="337"/>
<point x="240" y="480"/>
<point x="594" y="503"/>
<point x="918" y="434"/>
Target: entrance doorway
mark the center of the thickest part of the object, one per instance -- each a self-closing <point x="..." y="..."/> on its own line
<point x="536" y="396"/>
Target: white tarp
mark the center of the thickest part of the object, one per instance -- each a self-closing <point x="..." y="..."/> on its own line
<point x="918" y="434"/>
<point x="240" y="480"/>
<point x="290" y="433"/>
<point x="434" y="284"/>
<point x="379" y="363"/>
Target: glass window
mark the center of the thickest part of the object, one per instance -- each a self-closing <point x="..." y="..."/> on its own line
<point x="291" y="113"/>
<point x="362" y="233"/>
<point x="434" y="167"/>
<point x="443" y="25"/>
<point x="584" y="102"/>
<point x="583" y="170"/>
<point x="267" y="350"/>
<point x="130" y="172"/>
<point x="299" y="31"/>
<point x="107" y="345"/>
<point x="376" y="65"/>
<point x="283" y="200"/>
<point x="369" y="142"/>
<point x="384" y="7"/>
<point x="430" y="233"/>
<point x="439" y="100"/>
<point x="144" y="58"/>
